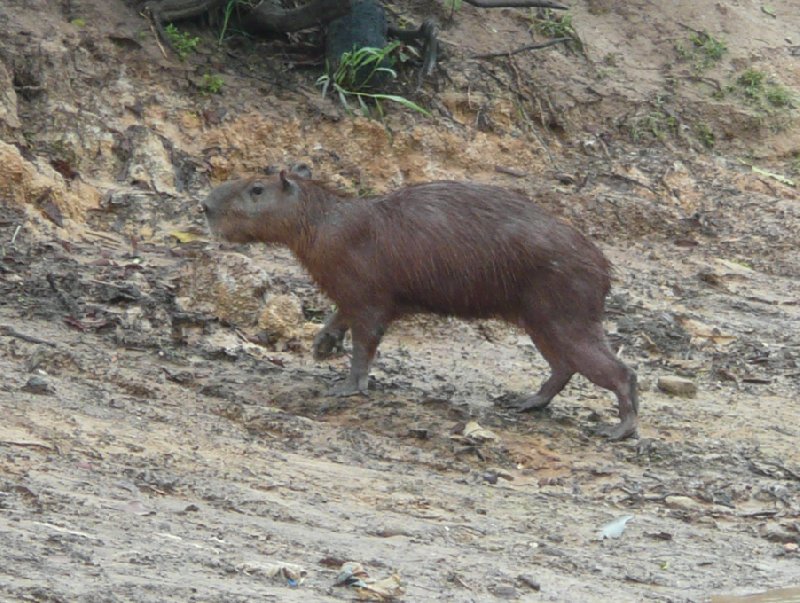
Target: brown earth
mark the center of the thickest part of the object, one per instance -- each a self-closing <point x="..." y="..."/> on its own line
<point x="165" y="435"/>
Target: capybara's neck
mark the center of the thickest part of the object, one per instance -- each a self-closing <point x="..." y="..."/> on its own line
<point x="319" y="207"/>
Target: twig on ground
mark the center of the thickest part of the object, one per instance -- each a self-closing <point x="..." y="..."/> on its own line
<point x="12" y="332"/>
<point x="509" y="53"/>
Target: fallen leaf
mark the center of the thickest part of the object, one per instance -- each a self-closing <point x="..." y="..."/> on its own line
<point x="698" y="329"/>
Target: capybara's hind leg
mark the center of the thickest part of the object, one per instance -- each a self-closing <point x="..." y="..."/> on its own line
<point x="330" y="338"/>
<point x="560" y="374"/>
<point x="594" y="360"/>
<point x="367" y="331"/>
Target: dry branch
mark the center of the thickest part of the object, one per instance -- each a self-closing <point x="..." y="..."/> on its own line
<point x="508" y="53"/>
<point x="165" y="11"/>
<point x="266" y="18"/>
<point x="516" y="4"/>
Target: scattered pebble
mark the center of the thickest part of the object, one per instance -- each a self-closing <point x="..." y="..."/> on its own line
<point x="677" y="386"/>
<point x="682" y="502"/>
<point x="529" y="581"/>
<point x="37" y="385"/>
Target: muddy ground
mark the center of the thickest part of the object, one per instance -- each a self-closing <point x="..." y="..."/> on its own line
<point x="165" y="435"/>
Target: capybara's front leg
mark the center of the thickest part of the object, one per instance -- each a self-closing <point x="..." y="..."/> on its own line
<point x="368" y="330"/>
<point x="330" y="339"/>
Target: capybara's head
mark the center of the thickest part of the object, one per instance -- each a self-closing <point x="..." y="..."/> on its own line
<point x="257" y="208"/>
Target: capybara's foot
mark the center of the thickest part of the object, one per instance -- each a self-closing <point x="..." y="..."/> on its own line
<point x="327" y="344"/>
<point x="620" y="431"/>
<point x="349" y="387"/>
<point x="529" y="403"/>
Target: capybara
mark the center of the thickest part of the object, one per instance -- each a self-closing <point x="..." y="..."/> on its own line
<point x="451" y="248"/>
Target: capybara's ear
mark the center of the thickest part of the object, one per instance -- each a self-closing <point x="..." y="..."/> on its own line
<point x="287" y="184"/>
<point x="302" y="170"/>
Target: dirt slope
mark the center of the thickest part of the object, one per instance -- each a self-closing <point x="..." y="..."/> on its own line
<point x="165" y="435"/>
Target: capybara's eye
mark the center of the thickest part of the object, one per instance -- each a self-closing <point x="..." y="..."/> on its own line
<point x="257" y="189"/>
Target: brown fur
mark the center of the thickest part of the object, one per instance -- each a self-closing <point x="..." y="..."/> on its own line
<point x="459" y="249"/>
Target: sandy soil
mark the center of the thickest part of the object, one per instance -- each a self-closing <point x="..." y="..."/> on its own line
<point x="161" y="443"/>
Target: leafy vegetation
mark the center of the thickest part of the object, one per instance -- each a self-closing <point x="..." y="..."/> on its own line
<point x="183" y="42"/>
<point x="227" y="12"/>
<point x="658" y="123"/>
<point x="779" y="96"/>
<point x="706" y="135"/>
<point x="212" y="84"/>
<point x="554" y="25"/>
<point x="359" y="71"/>
<point x="453" y="5"/>
<point x="702" y="49"/>
<point x="758" y="90"/>
<point x="751" y="83"/>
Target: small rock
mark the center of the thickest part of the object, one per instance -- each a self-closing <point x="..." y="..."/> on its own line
<point x="530" y="582"/>
<point x="677" y="386"/>
<point x="420" y="433"/>
<point x="776" y="532"/>
<point x="790" y="547"/>
<point x="682" y="502"/>
<point x="490" y="477"/>
<point x="37" y="385"/>
<point x="505" y="592"/>
<point x="282" y="316"/>
<point x="227" y="285"/>
<point x="502" y="473"/>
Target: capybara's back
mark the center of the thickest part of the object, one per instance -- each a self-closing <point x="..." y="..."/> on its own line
<point x="461" y="249"/>
<point x="478" y="251"/>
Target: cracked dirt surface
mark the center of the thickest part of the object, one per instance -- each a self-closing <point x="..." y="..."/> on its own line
<point x="153" y="451"/>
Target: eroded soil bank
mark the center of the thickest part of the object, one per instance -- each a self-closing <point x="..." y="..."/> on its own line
<point x="165" y="435"/>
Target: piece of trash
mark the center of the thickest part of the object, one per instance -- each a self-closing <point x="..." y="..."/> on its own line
<point x="136" y="507"/>
<point x="293" y="574"/>
<point x="354" y="575"/>
<point x="615" y="528"/>
<point x="474" y="432"/>
<point x="349" y="573"/>
<point x="185" y="237"/>
<point x="780" y="178"/>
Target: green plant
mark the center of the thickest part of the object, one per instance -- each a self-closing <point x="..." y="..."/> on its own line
<point x="610" y="59"/>
<point x="183" y="42"/>
<point x="751" y="81"/>
<point x="658" y="123"/>
<point x="79" y="22"/>
<point x="706" y="135"/>
<point x="227" y="12"/>
<point x="778" y="96"/>
<point x="794" y="164"/>
<point x="759" y="91"/>
<point x="211" y="84"/>
<point x="555" y="25"/>
<point x="357" y="71"/>
<point x="453" y="5"/>
<point x="703" y="50"/>
<point x="707" y="45"/>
